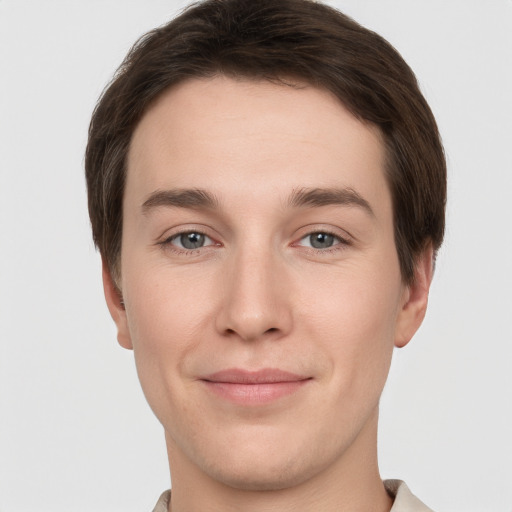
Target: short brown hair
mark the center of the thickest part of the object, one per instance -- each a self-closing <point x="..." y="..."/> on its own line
<point x="276" y="40"/>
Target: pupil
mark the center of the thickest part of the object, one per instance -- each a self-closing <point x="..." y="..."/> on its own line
<point x="192" y="240"/>
<point x="321" y="240"/>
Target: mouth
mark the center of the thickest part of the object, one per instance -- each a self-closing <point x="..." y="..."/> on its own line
<point x="259" y="387"/>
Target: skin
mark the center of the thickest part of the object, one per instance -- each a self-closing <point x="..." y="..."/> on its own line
<point x="258" y="295"/>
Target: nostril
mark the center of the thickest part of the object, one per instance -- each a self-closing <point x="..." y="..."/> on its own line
<point x="272" y="329"/>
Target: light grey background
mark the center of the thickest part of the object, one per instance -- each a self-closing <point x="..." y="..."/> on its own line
<point x="75" y="431"/>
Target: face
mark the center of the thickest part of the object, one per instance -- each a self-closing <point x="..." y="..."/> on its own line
<point x="260" y="278"/>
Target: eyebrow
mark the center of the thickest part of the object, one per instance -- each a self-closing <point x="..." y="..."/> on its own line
<point x="181" y="198"/>
<point x="317" y="197"/>
<point x="303" y="197"/>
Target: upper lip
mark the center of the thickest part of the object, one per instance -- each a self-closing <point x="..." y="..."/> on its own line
<point x="263" y="376"/>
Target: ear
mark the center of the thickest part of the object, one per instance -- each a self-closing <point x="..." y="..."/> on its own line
<point x="415" y="299"/>
<point x="116" y="307"/>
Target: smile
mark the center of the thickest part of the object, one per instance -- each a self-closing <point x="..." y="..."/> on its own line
<point x="244" y="387"/>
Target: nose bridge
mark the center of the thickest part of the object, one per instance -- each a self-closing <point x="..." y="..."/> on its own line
<point x="255" y="301"/>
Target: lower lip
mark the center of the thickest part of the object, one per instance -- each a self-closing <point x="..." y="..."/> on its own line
<point x="254" y="394"/>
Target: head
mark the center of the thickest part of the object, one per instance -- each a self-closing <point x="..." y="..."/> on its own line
<point x="266" y="188"/>
<point x="281" y="42"/>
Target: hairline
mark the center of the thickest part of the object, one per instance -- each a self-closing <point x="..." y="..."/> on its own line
<point x="293" y="80"/>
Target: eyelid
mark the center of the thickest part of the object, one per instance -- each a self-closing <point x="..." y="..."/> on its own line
<point x="338" y="233"/>
<point x="339" y="240"/>
<point x="177" y="236"/>
<point x="343" y="238"/>
<point x="166" y="239"/>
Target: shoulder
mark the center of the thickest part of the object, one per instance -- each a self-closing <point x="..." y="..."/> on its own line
<point x="405" y="501"/>
<point x="163" y="502"/>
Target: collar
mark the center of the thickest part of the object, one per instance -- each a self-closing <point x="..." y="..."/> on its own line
<point x="404" y="499"/>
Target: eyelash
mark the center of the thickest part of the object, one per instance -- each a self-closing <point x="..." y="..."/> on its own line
<point x="341" y="243"/>
<point x="168" y="245"/>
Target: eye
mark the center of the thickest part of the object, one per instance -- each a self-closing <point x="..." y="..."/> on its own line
<point x="190" y="240"/>
<point x="321" y="240"/>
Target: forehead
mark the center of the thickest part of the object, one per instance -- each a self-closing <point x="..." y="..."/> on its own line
<point x="234" y="136"/>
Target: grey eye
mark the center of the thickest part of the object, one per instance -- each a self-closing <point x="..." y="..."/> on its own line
<point x="321" y="240"/>
<point x="191" y="240"/>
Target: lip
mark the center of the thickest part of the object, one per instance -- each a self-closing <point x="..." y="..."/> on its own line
<point x="245" y="387"/>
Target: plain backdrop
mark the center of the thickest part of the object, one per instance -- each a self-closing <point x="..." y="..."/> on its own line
<point x="75" y="431"/>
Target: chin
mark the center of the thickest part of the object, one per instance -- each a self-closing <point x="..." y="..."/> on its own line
<point x="266" y="466"/>
<point x="267" y="477"/>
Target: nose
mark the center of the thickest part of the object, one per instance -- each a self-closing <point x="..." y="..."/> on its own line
<point x="256" y="301"/>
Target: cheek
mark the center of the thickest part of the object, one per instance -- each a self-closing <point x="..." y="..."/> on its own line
<point x="166" y="317"/>
<point x="165" y="309"/>
<point x="354" y="324"/>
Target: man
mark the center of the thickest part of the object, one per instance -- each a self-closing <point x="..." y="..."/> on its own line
<point x="267" y="189"/>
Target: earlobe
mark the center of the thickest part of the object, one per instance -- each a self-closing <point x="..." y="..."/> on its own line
<point x="415" y="299"/>
<point x="116" y="307"/>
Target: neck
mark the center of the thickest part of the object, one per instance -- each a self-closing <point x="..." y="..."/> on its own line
<point x="351" y="483"/>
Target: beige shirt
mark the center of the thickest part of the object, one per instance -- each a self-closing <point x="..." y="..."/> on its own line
<point x="405" y="501"/>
